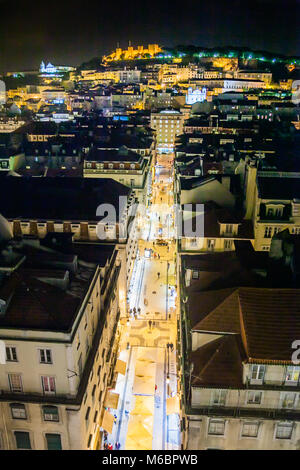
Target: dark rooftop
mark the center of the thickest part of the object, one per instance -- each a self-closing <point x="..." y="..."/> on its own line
<point x="58" y="198"/>
<point x="278" y="188"/>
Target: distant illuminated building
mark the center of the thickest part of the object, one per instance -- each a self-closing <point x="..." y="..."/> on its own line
<point x="54" y="70"/>
<point x="140" y="52"/>
<point x="195" y="96"/>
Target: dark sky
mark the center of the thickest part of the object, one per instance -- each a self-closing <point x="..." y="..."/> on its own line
<point x="70" y="32"/>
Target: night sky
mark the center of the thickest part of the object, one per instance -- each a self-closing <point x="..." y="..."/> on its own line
<point x="70" y="32"/>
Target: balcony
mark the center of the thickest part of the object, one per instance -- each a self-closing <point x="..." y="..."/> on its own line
<point x="238" y="412"/>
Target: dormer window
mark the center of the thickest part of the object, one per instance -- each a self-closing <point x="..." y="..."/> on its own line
<point x="274" y="210"/>
<point x="257" y="374"/>
<point x="292" y="375"/>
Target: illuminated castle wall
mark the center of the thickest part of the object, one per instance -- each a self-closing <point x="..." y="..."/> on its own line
<point x="130" y="53"/>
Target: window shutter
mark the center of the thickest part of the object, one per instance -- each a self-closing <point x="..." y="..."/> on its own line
<point x="53" y="442"/>
<point x="23" y="440"/>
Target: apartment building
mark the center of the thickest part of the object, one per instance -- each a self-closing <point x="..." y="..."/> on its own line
<point x="167" y="124"/>
<point x="123" y="165"/>
<point x="59" y="321"/>
<point x="213" y="228"/>
<point x="272" y="203"/>
<point x="242" y="387"/>
<point x="72" y="205"/>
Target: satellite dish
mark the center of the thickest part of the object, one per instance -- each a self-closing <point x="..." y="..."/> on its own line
<point x="6" y="232"/>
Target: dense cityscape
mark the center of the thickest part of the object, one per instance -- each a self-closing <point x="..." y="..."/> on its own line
<point x="150" y="251"/>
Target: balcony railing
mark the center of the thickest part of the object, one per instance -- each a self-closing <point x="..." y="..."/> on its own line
<point x="235" y="412"/>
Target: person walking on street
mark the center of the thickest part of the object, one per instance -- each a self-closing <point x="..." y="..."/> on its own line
<point x="158" y="275"/>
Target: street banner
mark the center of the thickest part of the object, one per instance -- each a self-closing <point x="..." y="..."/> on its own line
<point x="108" y="422"/>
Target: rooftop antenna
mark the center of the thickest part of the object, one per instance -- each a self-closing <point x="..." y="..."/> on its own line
<point x="129" y="43"/>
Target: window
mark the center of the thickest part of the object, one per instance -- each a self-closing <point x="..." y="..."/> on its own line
<point x="229" y="228"/>
<point x="254" y="398"/>
<point x="268" y="232"/>
<point x="193" y="242"/>
<point x="216" y="427"/>
<point x="227" y="244"/>
<point x="48" y="384"/>
<point x="250" y="429"/>
<point x="210" y="244"/>
<point x="95" y="416"/>
<point x="288" y="400"/>
<point x="50" y="413"/>
<point x="292" y="375"/>
<point x="15" y="382"/>
<point x="18" y="411"/>
<point x="87" y="346"/>
<point x="89" y="440"/>
<point x="79" y="365"/>
<point x="219" y="397"/>
<point x="284" y="430"/>
<point x="195" y="274"/>
<point x="87" y="413"/>
<point x="11" y="354"/>
<point x="22" y="440"/>
<point x="45" y="356"/>
<point x="257" y="373"/>
<point x="53" y="442"/>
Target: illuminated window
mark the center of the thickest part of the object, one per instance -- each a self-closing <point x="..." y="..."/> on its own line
<point x="292" y="375"/>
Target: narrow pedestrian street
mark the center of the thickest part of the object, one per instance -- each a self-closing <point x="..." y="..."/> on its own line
<point x="147" y="416"/>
